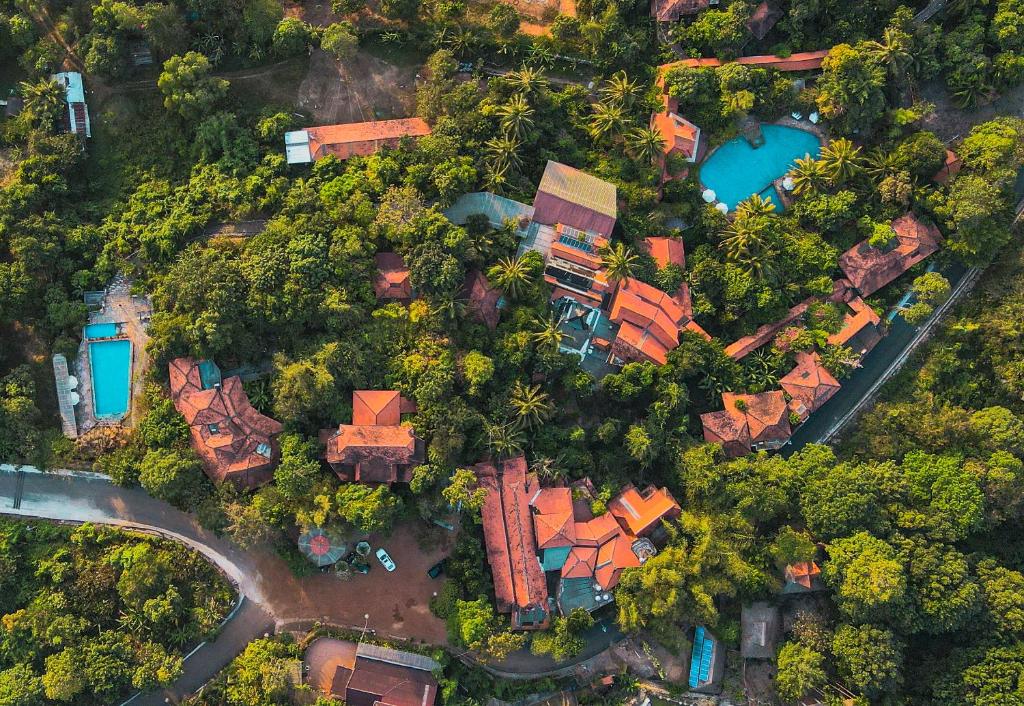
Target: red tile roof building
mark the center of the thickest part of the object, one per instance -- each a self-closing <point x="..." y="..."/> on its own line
<point x="763" y="19"/>
<point x="761" y="424"/>
<point x="393" y="280"/>
<point x="375" y="448"/>
<point x="650" y="321"/>
<point x="666" y="251"/>
<point x="380" y="676"/>
<point x="809" y="385"/>
<point x="862" y="327"/>
<point x="482" y="299"/>
<point x="553" y="521"/>
<point x="350" y="139"/>
<point x="673" y="10"/>
<point x="641" y="513"/>
<point x="950" y="168"/>
<point x="680" y="135"/>
<point x="519" y="584"/>
<point x="234" y="441"/>
<point x="870" y="268"/>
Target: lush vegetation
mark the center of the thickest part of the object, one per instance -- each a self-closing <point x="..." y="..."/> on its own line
<point x="913" y="520"/>
<point x="90" y="614"/>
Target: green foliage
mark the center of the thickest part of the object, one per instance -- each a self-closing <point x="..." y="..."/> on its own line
<point x="368" y="509"/>
<point x="188" y="88"/>
<point x="292" y="36"/>
<point x="869" y="658"/>
<point x="340" y="40"/>
<point x="800" y="670"/>
<point x="174" y="476"/>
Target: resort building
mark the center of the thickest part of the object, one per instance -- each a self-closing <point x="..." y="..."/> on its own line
<point x="530" y="531"/>
<point x="393" y="281"/>
<point x="666" y="251"/>
<point x="234" y="441"/>
<point x="350" y="139"/>
<point x="803" y="577"/>
<point x="674" y="10"/>
<point x="870" y="268"/>
<point x="76" y="118"/>
<point x="862" y="327"/>
<point x="809" y="385"/>
<point x="749" y="423"/>
<point x="381" y="676"/>
<point x="649" y="321"/>
<point x="376" y="447"/>
<point x="680" y="135"/>
<point x="483" y="302"/>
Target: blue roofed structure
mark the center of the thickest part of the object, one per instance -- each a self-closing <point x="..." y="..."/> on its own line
<point x="554" y="558"/>
<point x="209" y="374"/>
<point x="498" y="210"/>
<point x="581" y="593"/>
<point x="707" y="661"/>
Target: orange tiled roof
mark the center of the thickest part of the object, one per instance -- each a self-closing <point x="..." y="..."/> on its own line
<point x="612" y="557"/>
<point x="649" y="321"/>
<point x="950" y="168"/>
<point x="362" y="139"/>
<point x="742" y="347"/>
<point x="393" y="279"/>
<point x="597" y="531"/>
<point x="508" y="535"/>
<point x="871" y="268"/>
<point x="802" y="573"/>
<point x="764" y="421"/>
<point x="552" y="519"/>
<point x="861" y="329"/>
<point x="666" y="251"/>
<point x="483" y="299"/>
<point x="809" y="384"/>
<point x="580" y="563"/>
<point x="801" y="61"/>
<point x="234" y="441"/>
<point x="375" y="448"/>
<point x="640" y="513"/>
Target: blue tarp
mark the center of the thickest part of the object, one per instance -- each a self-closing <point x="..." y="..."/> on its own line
<point x="701" y="657"/>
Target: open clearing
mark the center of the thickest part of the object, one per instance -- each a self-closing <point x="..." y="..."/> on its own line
<point x="364" y="88"/>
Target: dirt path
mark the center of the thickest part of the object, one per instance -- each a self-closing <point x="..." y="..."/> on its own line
<point x="365" y="88"/>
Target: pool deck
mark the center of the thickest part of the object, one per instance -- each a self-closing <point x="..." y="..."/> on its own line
<point x="133" y="313"/>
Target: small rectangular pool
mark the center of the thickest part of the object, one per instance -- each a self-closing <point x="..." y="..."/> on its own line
<point x="100" y="330"/>
<point x="110" y="365"/>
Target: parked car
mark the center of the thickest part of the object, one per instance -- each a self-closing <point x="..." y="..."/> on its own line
<point x="385" y="559"/>
<point x="436" y="570"/>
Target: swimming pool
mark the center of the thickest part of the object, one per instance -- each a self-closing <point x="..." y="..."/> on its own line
<point x="110" y="366"/>
<point x="100" y="330"/>
<point x="736" y="170"/>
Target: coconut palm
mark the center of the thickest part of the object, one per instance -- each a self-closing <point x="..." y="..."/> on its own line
<point x="527" y="79"/>
<point x="541" y="54"/>
<point x="532" y="406"/>
<point x="516" y="116"/>
<point x="495" y="177"/>
<point x="619" y="262"/>
<point x="746" y="245"/>
<point x="842" y="159"/>
<point x="646" y="144"/>
<point x="504" y="150"/>
<point x="620" y="89"/>
<point x="511" y="274"/>
<point x="549" y="336"/>
<point x="608" y="119"/>
<point x="809" y="175"/>
<point x="550" y="469"/>
<point x="504" y="440"/>
<point x="893" y="52"/>
<point x="880" y="164"/>
<point x="450" y="307"/>
<point x="754" y="206"/>
<point x="43" y="100"/>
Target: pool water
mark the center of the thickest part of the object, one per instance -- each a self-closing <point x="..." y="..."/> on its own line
<point x="110" y="363"/>
<point x="735" y="171"/>
<point x="100" y="330"/>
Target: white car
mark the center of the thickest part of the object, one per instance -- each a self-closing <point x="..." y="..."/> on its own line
<point x="385" y="559"/>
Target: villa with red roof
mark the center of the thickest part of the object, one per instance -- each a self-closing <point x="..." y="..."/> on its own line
<point x="349" y="139"/>
<point x="483" y="300"/>
<point x="376" y="447"/>
<point x="862" y="327"/>
<point x="749" y="423"/>
<point x="666" y="251"/>
<point x="650" y="321"/>
<point x="809" y="385"/>
<point x="870" y="268"/>
<point x="234" y="441"/>
<point x="393" y="280"/>
<point x="680" y="135"/>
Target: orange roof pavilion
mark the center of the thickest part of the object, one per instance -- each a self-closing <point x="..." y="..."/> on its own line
<point x="375" y="448"/>
<point x="763" y="423"/>
<point x="640" y="513"/>
<point x="393" y="279"/>
<point x="350" y="139"/>
<point x="809" y="385"/>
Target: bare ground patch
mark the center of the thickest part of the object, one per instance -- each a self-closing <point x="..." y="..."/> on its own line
<point x="950" y="122"/>
<point x="365" y="88"/>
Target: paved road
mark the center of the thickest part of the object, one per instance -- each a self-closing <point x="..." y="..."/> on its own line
<point x="877" y="366"/>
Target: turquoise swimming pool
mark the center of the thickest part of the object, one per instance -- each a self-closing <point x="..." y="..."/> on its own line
<point x="100" y="330"/>
<point x="735" y="171"/>
<point x="110" y="365"/>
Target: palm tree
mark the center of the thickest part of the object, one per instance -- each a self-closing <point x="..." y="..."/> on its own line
<point x="755" y="206"/>
<point x="541" y="54"/>
<point x="494" y="178"/>
<point x="809" y="175"/>
<point x="527" y="79"/>
<point x="842" y="159"/>
<point x="549" y="337"/>
<point x="608" y="119"/>
<point x="504" y="440"/>
<point x="43" y="100"/>
<point x="511" y="274"/>
<point x="505" y="151"/>
<point x="646" y="144"/>
<point x="550" y="469"/>
<point x="532" y="406"/>
<point x="893" y="52"/>
<point x="450" y="307"/>
<point x="461" y="41"/>
<point x="619" y="262"/>
<point x="619" y="89"/>
<point x="746" y="244"/>
<point x="880" y="164"/>
<point x="516" y="116"/>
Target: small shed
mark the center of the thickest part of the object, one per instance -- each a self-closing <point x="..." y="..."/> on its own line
<point x="760" y="629"/>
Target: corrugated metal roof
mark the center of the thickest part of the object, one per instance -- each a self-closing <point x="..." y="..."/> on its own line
<point x="402" y="659"/>
<point x="296" y="147"/>
<point x="578" y="187"/>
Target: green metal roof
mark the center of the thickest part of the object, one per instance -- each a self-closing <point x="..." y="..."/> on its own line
<point x="209" y="374"/>
<point x="554" y="559"/>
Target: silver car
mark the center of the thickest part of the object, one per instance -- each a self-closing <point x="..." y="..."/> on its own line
<point x="385" y="559"/>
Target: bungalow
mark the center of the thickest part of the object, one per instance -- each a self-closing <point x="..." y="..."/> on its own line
<point x="649" y="322"/>
<point x="862" y="327"/>
<point x="803" y="577"/>
<point x="674" y="10"/>
<point x="393" y="280"/>
<point x="680" y="135"/>
<point x="483" y="301"/>
<point x="349" y="139"/>
<point x="383" y="676"/>
<point x="76" y="119"/>
<point x="666" y="251"/>
<point x="519" y="584"/>
<point x="233" y="440"/>
<point x="749" y="423"/>
<point x="870" y="268"/>
<point x="809" y="385"/>
<point x="375" y="447"/>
